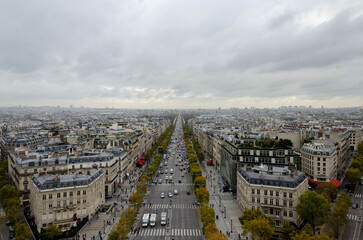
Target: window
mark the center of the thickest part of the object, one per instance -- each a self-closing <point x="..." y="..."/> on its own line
<point x="58" y="204"/>
<point x="258" y="191"/>
<point x="35" y="170"/>
<point x="253" y="191"/>
<point x="265" y="200"/>
<point x="285" y="203"/>
<point x="290" y="204"/>
<point x="277" y="193"/>
<point x="80" y="166"/>
<point x="290" y="195"/>
<point x="78" y="201"/>
<point x="291" y="214"/>
<point x="58" y="195"/>
<point x="318" y="168"/>
<point x="277" y="202"/>
<point x="70" y="202"/>
<point x="271" y="211"/>
<point x="65" y="194"/>
<point x="78" y="193"/>
<point x="84" y="192"/>
<point x="324" y="169"/>
<point x="285" y="213"/>
<point x="271" y="193"/>
<point x="84" y="200"/>
<point x="44" y="197"/>
<point x="72" y="166"/>
<point x="265" y="192"/>
<point x="277" y="212"/>
<point x="271" y="202"/>
<point x="44" y="206"/>
<point x="253" y="207"/>
<point x="71" y="194"/>
<point x="253" y="199"/>
<point x="258" y="200"/>
<point x="50" y="205"/>
<point x="64" y="203"/>
<point x="50" y="196"/>
<point x="265" y="211"/>
<point x="285" y="194"/>
<point x="44" y="169"/>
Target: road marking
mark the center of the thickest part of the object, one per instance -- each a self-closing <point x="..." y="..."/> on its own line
<point x="358" y="195"/>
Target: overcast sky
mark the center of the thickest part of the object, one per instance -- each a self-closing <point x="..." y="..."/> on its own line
<point x="181" y="54"/>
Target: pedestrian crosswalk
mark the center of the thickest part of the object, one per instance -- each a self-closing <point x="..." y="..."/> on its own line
<point x="173" y="232"/>
<point x="176" y="184"/>
<point x="358" y="195"/>
<point x="171" y="206"/>
<point x="353" y="217"/>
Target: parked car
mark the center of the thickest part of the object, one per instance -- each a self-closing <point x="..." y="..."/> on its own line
<point x="355" y="205"/>
<point x="162" y="195"/>
<point x="170" y="194"/>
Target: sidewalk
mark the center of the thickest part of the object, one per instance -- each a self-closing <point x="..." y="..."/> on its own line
<point x="97" y="228"/>
<point x="225" y="206"/>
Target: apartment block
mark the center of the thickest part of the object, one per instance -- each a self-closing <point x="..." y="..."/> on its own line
<point x="274" y="190"/>
<point x="319" y="162"/>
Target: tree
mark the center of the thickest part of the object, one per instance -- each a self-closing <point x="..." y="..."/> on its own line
<point x="288" y="229"/>
<point x="212" y="233"/>
<point x="195" y="172"/>
<point x="305" y="236"/>
<point x="259" y="228"/>
<point x="114" y="235"/>
<point x="200" y="181"/>
<point x="202" y="195"/>
<point x="353" y="175"/>
<point x="356" y="164"/>
<point x="329" y="188"/>
<point x="122" y="228"/>
<point x="339" y="216"/>
<point x="22" y="232"/>
<point x="207" y="215"/>
<point x="250" y="214"/>
<point x="135" y="200"/>
<point x="313" y="208"/>
<point x="53" y="231"/>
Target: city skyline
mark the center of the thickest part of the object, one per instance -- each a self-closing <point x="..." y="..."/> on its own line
<point x="182" y="55"/>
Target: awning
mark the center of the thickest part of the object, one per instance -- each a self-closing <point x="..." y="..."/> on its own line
<point x="336" y="182"/>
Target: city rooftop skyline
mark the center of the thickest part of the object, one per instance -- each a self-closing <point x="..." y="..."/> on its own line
<point x="181" y="54"/>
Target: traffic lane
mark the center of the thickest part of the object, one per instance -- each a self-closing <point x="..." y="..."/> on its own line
<point x="185" y="218"/>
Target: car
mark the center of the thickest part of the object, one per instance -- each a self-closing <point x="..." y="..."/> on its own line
<point x="160" y="180"/>
<point x="179" y="181"/>
<point x="162" y="195"/>
<point x="175" y="192"/>
<point x="155" y="180"/>
<point x="155" y="210"/>
<point x="8" y="223"/>
<point x="171" y="171"/>
<point x="355" y="205"/>
<point x="182" y="175"/>
<point x="170" y="178"/>
<point x="166" y="170"/>
<point x="166" y="178"/>
<point x="176" y="164"/>
<point x="170" y="194"/>
<point x="11" y="236"/>
<point x="188" y="192"/>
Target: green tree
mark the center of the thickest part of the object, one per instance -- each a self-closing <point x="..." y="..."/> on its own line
<point x="136" y="200"/>
<point x="288" y="230"/>
<point x="356" y="164"/>
<point x="202" y="195"/>
<point x="259" y="228"/>
<point x="122" y="228"/>
<point x="212" y="233"/>
<point x="200" y="181"/>
<point x="53" y="231"/>
<point x="328" y="188"/>
<point x="353" y="175"/>
<point x="250" y="214"/>
<point x="114" y="235"/>
<point x="207" y="215"/>
<point x="21" y="232"/>
<point x="339" y="215"/>
<point x="313" y="208"/>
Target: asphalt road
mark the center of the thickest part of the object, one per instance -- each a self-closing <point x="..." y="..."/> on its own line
<point x="182" y="213"/>
<point x="354" y="227"/>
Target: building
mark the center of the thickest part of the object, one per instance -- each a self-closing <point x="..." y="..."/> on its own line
<point x="356" y="136"/>
<point x="63" y="159"/>
<point x="274" y="190"/>
<point x="247" y="152"/>
<point x="319" y="162"/>
<point x="64" y="199"/>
